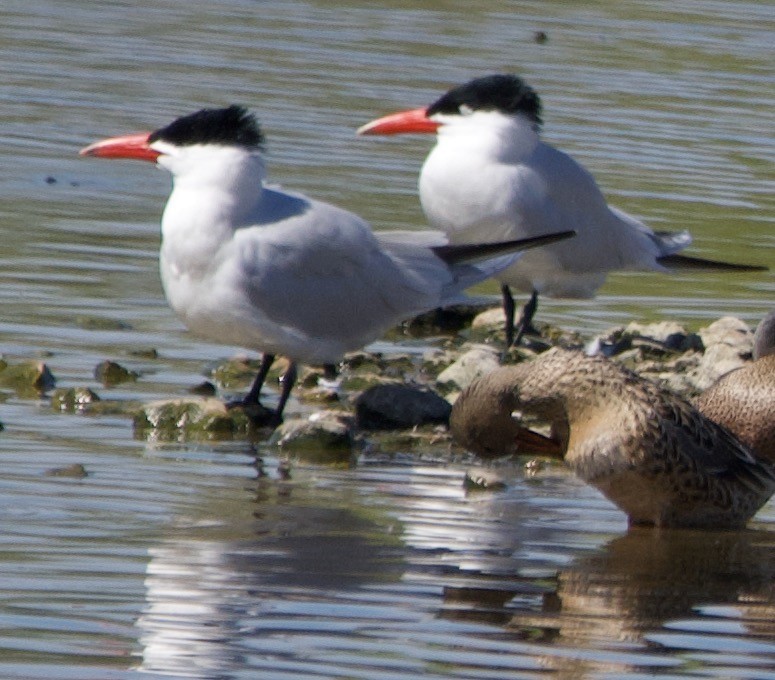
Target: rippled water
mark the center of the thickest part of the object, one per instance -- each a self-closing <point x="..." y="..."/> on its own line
<point x="191" y="561"/>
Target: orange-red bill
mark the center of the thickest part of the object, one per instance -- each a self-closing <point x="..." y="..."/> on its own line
<point x="531" y="442"/>
<point x="403" y="122"/>
<point x="127" y="146"/>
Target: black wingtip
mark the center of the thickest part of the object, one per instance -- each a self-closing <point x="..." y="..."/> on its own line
<point x="452" y="254"/>
<point x="687" y="262"/>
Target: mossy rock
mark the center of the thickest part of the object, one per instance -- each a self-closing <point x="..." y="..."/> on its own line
<point x="98" y="323"/>
<point x="74" y="471"/>
<point x="110" y="373"/>
<point x="27" y="379"/>
<point x="235" y="373"/>
<point x="325" y="438"/>
<point x="73" y="399"/>
<point x="190" y="418"/>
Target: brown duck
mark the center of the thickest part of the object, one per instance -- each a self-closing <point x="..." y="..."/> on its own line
<point x="743" y="400"/>
<point x="649" y="451"/>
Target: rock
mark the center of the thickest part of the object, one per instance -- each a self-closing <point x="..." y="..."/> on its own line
<point x="203" y="389"/>
<point x="109" y="373"/>
<point x="235" y="373"/>
<point x="490" y="319"/>
<point x="98" y="323"/>
<point x="652" y="340"/>
<point x="144" y="353"/>
<point x="72" y="399"/>
<point x="325" y="437"/>
<point x="397" y="406"/>
<point x="670" y="334"/>
<point x="717" y="360"/>
<point x="432" y="441"/>
<point x="74" y="471"/>
<point x="190" y="418"/>
<point x="474" y="363"/>
<point x="731" y="331"/>
<point x="443" y="320"/>
<point x="484" y="479"/>
<point x="29" y="378"/>
<point x="728" y="345"/>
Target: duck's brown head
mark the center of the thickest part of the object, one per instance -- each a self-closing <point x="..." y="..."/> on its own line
<point x="483" y="418"/>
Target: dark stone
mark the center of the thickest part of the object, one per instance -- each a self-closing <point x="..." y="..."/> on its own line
<point x="110" y="373"/>
<point x="396" y="406"/>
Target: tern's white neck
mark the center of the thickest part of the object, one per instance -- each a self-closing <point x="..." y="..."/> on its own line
<point x="215" y="190"/>
<point x="465" y="183"/>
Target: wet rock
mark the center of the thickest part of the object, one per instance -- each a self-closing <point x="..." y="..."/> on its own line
<point x="325" y="437"/>
<point x="443" y="320"/>
<point x="144" y="353"/>
<point x="74" y="471"/>
<point x="190" y="418"/>
<point x="426" y="441"/>
<point x="73" y="399"/>
<point x="28" y="378"/>
<point x="238" y="372"/>
<point x="366" y="362"/>
<point x="203" y="389"/>
<point x="317" y="395"/>
<point x="476" y="362"/>
<point x="670" y="334"/>
<point x="98" y="323"/>
<point x="398" y="406"/>
<point x="484" y="479"/>
<point x="435" y="360"/>
<point x="644" y="341"/>
<point x="312" y="386"/>
<point x="109" y="373"/>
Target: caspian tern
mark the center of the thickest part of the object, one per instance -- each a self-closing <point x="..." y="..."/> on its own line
<point x="490" y="177"/>
<point x="248" y="264"/>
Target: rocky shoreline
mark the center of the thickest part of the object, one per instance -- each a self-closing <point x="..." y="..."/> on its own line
<point x="392" y="403"/>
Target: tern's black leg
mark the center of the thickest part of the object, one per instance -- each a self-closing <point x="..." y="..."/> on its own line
<point x="508" y="309"/>
<point x="288" y="381"/>
<point x="254" y="394"/>
<point x="526" y="318"/>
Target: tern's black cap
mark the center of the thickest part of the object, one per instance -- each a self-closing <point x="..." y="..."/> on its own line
<point x="232" y="126"/>
<point x="505" y="93"/>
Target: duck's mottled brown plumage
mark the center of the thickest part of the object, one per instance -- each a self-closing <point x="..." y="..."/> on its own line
<point x="649" y="451"/>
<point x="743" y="400"/>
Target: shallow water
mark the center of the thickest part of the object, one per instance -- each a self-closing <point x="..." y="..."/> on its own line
<point x="189" y="561"/>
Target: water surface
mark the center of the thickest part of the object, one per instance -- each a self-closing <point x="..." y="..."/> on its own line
<point x="191" y="560"/>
